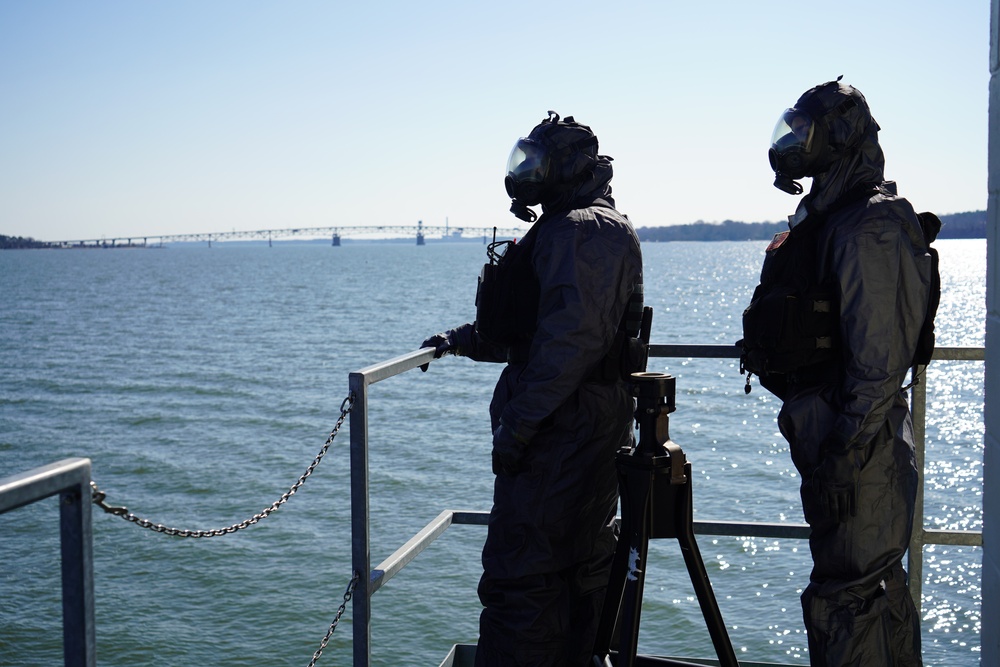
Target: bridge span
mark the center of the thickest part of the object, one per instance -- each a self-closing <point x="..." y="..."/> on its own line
<point x="419" y="232"/>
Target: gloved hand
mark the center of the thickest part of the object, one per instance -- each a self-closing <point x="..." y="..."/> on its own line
<point x="449" y="342"/>
<point x="508" y="451"/>
<point x="836" y="481"/>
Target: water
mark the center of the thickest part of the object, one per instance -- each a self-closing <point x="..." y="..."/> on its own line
<point x="202" y="381"/>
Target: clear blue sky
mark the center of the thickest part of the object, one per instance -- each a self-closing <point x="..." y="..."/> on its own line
<point x="122" y="118"/>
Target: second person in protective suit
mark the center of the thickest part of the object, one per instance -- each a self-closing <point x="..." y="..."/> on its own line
<point x="856" y="260"/>
<point x="559" y="308"/>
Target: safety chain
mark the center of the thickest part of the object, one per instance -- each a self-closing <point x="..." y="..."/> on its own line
<point x="336" y="619"/>
<point x="97" y="496"/>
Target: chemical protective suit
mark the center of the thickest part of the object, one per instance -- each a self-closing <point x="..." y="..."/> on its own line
<point x="560" y="409"/>
<point x="846" y="417"/>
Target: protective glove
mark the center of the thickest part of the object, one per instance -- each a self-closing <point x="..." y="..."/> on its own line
<point x="453" y="341"/>
<point x="508" y="451"/>
<point x="836" y="480"/>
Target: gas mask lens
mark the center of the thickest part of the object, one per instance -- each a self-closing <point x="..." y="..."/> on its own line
<point x="528" y="162"/>
<point x="794" y="129"/>
<point x="791" y="153"/>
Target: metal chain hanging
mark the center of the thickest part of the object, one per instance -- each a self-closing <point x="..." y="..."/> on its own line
<point x="336" y="619"/>
<point x="97" y="496"/>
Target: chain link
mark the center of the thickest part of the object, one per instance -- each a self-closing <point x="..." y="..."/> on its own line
<point x="98" y="497"/>
<point x="336" y="619"/>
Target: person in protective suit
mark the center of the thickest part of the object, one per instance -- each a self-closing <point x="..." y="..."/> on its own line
<point x="846" y="416"/>
<point x="557" y="309"/>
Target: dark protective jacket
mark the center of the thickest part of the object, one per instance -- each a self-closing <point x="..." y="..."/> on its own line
<point x="857" y="605"/>
<point x="587" y="262"/>
<point x="874" y="256"/>
<point x="551" y="532"/>
<point x="857" y="608"/>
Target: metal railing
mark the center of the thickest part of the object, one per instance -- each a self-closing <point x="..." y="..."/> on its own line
<point x="70" y="479"/>
<point x="384" y="571"/>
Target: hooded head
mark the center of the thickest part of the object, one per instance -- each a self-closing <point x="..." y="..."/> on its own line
<point x="828" y="135"/>
<point x="555" y="164"/>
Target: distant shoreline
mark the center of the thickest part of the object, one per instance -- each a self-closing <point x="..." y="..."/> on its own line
<point x="970" y="225"/>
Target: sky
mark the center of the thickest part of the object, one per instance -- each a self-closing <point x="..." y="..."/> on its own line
<point x="122" y="118"/>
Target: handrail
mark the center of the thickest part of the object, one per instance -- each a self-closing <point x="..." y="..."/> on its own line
<point x="360" y="529"/>
<point x="372" y="580"/>
<point x="70" y="478"/>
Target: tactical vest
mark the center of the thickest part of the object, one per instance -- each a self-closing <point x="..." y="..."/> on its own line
<point x="791" y="323"/>
<point x="507" y="300"/>
<point x="508" y="292"/>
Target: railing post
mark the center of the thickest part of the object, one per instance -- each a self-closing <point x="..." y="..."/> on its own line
<point x="70" y="479"/>
<point x="360" y="511"/>
<point x="915" y="551"/>
<point x="360" y="538"/>
<point x="76" y="546"/>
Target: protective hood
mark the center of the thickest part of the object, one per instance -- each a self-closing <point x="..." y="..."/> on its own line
<point x="551" y="164"/>
<point x="596" y="186"/>
<point x="832" y="128"/>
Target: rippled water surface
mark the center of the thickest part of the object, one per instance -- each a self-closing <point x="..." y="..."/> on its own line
<point x="202" y="381"/>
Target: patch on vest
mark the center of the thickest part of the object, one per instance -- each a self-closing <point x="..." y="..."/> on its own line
<point x="776" y="242"/>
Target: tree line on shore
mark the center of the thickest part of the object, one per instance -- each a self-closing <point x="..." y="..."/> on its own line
<point x="20" y="242"/>
<point x="969" y="225"/>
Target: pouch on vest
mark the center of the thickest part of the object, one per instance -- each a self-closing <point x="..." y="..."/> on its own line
<point x="507" y="294"/>
<point x="791" y="323"/>
<point x="628" y="354"/>
<point x="788" y="329"/>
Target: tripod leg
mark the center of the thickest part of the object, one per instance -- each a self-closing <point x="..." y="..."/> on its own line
<point x="623" y="602"/>
<point x="699" y="579"/>
<point x="612" y="599"/>
<point x="637" y="542"/>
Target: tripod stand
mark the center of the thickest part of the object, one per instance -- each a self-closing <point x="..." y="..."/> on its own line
<point x="655" y="484"/>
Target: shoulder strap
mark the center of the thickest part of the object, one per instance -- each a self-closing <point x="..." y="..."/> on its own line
<point x="930" y="224"/>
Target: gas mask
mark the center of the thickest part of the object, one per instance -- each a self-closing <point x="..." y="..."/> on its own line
<point x="556" y="156"/>
<point x="828" y="123"/>
<point x="799" y="148"/>
<point x="528" y="171"/>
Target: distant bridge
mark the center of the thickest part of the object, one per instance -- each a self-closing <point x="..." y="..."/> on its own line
<point x="418" y="232"/>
